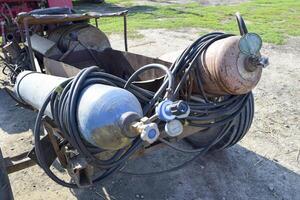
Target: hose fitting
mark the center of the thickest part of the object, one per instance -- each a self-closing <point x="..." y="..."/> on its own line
<point x="168" y="110"/>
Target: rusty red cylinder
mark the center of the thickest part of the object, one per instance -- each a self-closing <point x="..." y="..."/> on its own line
<point x="226" y="70"/>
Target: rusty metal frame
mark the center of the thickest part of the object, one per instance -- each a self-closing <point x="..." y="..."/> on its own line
<point x="19" y="162"/>
<point x="29" y="49"/>
<point x="125" y="32"/>
<point x="26" y="21"/>
<point x="49" y="127"/>
<point x="124" y="28"/>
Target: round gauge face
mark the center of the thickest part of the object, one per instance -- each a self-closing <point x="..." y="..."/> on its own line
<point x="250" y="44"/>
<point x="174" y="128"/>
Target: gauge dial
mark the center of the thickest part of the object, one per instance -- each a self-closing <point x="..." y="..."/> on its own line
<point x="250" y="44"/>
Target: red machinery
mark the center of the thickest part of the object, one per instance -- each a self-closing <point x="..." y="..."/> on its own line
<point x="10" y="8"/>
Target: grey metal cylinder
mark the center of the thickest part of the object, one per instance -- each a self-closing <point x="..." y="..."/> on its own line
<point x="100" y="110"/>
<point x="67" y="37"/>
<point x="33" y="88"/>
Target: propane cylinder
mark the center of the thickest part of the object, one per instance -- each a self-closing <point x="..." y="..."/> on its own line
<point x="103" y="112"/>
<point x="226" y="69"/>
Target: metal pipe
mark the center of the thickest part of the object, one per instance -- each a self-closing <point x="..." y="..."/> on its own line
<point x="30" y="52"/>
<point x="5" y="188"/>
<point x="96" y="21"/>
<point x="3" y="33"/>
<point x="125" y="32"/>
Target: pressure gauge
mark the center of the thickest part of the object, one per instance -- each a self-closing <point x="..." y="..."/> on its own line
<point x="174" y="128"/>
<point x="250" y="44"/>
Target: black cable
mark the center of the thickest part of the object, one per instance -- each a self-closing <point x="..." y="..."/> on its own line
<point x="15" y="66"/>
<point x="233" y="113"/>
<point x="210" y="113"/>
<point x="63" y="103"/>
<point x="186" y="163"/>
<point x="178" y="148"/>
<point x="170" y="78"/>
<point x="38" y="147"/>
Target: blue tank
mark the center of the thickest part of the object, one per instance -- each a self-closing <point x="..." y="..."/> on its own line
<point x="100" y="112"/>
<point x="103" y="112"/>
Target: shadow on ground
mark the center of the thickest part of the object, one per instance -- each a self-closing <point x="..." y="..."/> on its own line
<point x="19" y="120"/>
<point x="107" y="7"/>
<point x="236" y="173"/>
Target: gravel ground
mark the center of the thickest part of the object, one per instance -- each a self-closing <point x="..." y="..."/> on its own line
<point x="264" y="165"/>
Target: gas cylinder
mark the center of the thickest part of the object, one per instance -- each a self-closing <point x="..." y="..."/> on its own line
<point x="103" y="112"/>
<point x="226" y="70"/>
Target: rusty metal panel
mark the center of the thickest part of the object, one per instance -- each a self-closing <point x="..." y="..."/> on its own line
<point x="19" y="162"/>
<point x="118" y="63"/>
<point x="136" y="61"/>
<point x="40" y="44"/>
<point x="56" y="19"/>
<point x="57" y="68"/>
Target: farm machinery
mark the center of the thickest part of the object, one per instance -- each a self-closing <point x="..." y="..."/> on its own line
<point x="99" y="108"/>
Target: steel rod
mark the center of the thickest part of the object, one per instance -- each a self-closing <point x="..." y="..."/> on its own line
<point x="30" y="52"/>
<point x="125" y="32"/>
<point x="96" y="22"/>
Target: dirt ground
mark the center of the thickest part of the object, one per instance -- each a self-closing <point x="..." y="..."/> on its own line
<point x="144" y="5"/>
<point x="264" y="165"/>
<point x="202" y="2"/>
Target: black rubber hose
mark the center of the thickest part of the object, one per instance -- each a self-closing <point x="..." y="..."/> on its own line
<point x="233" y="114"/>
<point x="170" y="77"/>
<point x="219" y="137"/>
<point x="63" y="102"/>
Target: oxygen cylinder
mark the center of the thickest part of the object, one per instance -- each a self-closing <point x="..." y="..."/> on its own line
<point x="102" y="111"/>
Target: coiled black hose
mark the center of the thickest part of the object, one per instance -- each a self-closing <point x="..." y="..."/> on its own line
<point x="232" y="114"/>
<point x="13" y="69"/>
<point x="229" y="117"/>
<point x="63" y="102"/>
